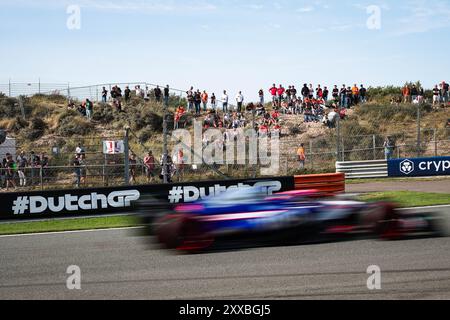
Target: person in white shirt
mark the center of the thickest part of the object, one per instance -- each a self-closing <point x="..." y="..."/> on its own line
<point x="332" y="118"/>
<point x="225" y="101"/>
<point x="239" y="101"/>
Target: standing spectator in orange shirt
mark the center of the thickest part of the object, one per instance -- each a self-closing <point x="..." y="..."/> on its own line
<point x="355" y="94"/>
<point x="406" y="94"/>
<point x="301" y="156"/>
<point x="204" y="100"/>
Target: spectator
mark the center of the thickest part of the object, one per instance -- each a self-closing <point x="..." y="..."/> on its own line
<point x="104" y="95"/>
<point x="76" y="170"/>
<point x="225" y="101"/>
<point x="420" y="97"/>
<point x="80" y="150"/>
<point x="239" y="101"/>
<point x="178" y="115"/>
<point x="355" y="94"/>
<point x="311" y="91"/>
<point x="305" y="92"/>
<point x="204" y="98"/>
<point x="349" y="97"/>
<point x="325" y="94"/>
<point x="301" y="156"/>
<point x="166" y="95"/>
<point x="406" y="94"/>
<point x="261" y="96"/>
<point x="280" y="94"/>
<point x="158" y="94"/>
<point x="293" y="93"/>
<point x="89" y="109"/>
<point x="22" y="164"/>
<point x="332" y="119"/>
<point x="388" y="148"/>
<point x="445" y="87"/>
<point x="169" y="168"/>
<point x="138" y="92"/>
<point x="319" y="92"/>
<point x="436" y="95"/>
<point x="190" y="99"/>
<point x="273" y="92"/>
<point x="35" y="162"/>
<point x="414" y="93"/>
<point x="197" y="102"/>
<point x="127" y="93"/>
<point x="149" y="163"/>
<point x="343" y="96"/>
<point x="213" y="101"/>
<point x="148" y="94"/>
<point x="10" y="172"/>
<point x="133" y="167"/>
<point x="362" y="94"/>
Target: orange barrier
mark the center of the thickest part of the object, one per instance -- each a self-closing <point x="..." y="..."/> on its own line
<point x="330" y="183"/>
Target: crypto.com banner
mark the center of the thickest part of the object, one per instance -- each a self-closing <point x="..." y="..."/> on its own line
<point x="419" y="167"/>
<point x="98" y="201"/>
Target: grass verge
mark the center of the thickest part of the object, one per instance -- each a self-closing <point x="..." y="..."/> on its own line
<point x="68" y="225"/>
<point x="408" y="199"/>
<point x="405" y="199"/>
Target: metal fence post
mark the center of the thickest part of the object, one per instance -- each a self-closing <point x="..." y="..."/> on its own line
<point x="9" y="88"/>
<point x="165" y="149"/>
<point x="419" y="142"/>
<point x="39" y="85"/>
<point x="127" y="159"/>
<point x="41" y="178"/>
<point x="374" y="147"/>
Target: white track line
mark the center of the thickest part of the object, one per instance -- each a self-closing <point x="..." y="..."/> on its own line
<point x="65" y="232"/>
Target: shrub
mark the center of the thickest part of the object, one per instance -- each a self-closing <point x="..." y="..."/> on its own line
<point x="9" y="108"/>
<point x="70" y="124"/>
<point x="103" y="113"/>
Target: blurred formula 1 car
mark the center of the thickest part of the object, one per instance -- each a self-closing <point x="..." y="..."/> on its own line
<point x="250" y="216"/>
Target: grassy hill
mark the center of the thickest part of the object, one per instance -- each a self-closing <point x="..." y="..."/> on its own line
<point x="40" y="123"/>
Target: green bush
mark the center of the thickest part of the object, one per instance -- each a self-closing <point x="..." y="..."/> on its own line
<point x="70" y="124"/>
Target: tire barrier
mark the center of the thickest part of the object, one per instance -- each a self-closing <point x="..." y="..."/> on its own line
<point x="333" y="183"/>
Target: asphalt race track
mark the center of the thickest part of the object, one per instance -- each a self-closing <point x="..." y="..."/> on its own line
<point x="117" y="264"/>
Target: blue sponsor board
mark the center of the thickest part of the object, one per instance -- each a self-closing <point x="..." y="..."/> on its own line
<point x="419" y="167"/>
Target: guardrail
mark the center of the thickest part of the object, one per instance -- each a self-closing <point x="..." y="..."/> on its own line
<point x="363" y="169"/>
<point x="330" y="183"/>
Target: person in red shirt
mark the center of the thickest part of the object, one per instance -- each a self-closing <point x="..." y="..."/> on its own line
<point x="280" y="92"/>
<point x="273" y="92"/>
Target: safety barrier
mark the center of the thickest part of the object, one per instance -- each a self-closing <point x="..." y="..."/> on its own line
<point x="330" y="183"/>
<point x="363" y="169"/>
